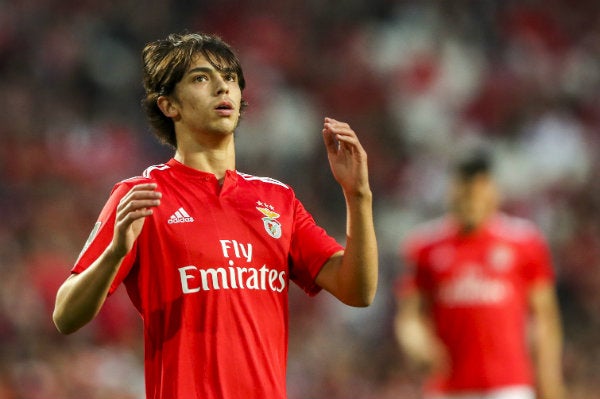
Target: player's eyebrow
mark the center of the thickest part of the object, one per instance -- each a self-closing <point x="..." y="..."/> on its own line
<point x="211" y="70"/>
<point x="204" y="69"/>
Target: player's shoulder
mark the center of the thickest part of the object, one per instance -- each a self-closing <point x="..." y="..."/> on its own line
<point x="262" y="181"/>
<point x="149" y="175"/>
<point x="429" y="233"/>
<point x="152" y="172"/>
<point x="515" y="228"/>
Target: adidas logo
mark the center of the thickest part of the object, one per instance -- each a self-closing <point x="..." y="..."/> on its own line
<point x="180" y="216"/>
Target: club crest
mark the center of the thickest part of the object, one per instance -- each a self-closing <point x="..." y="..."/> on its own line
<point x="272" y="225"/>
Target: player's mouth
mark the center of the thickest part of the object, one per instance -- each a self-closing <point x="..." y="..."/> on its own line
<point x="225" y="108"/>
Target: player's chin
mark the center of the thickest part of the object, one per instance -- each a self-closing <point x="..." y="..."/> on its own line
<point x="222" y="129"/>
<point x="226" y="125"/>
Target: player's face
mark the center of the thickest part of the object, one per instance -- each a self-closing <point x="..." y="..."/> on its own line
<point x="474" y="200"/>
<point x="206" y="100"/>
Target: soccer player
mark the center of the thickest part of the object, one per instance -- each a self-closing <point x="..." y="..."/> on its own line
<point x="206" y="252"/>
<point x="479" y="289"/>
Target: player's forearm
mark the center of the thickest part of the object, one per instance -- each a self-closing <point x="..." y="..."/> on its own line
<point x="359" y="268"/>
<point x="548" y="338"/>
<point x="549" y="376"/>
<point x="415" y="335"/>
<point x="81" y="296"/>
<point x="549" y="360"/>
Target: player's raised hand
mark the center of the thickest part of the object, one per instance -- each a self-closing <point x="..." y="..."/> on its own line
<point x="131" y="212"/>
<point x="347" y="157"/>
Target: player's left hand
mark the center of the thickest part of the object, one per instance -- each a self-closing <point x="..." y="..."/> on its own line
<point x="347" y="157"/>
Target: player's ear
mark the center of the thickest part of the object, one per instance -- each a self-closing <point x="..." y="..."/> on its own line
<point x="166" y="105"/>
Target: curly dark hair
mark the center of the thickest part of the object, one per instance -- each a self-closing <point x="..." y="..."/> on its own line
<point x="164" y="64"/>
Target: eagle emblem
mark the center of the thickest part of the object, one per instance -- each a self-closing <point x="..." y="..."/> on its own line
<point x="272" y="225"/>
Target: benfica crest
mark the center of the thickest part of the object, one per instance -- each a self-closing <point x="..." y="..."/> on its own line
<point x="272" y="226"/>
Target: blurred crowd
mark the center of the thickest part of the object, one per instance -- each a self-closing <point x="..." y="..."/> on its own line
<point x="417" y="80"/>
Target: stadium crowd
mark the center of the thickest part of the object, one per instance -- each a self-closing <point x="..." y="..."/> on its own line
<point x="415" y="79"/>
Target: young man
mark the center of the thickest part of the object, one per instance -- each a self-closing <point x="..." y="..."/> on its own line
<point x="207" y="252"/>
<point x="476" y="279"/>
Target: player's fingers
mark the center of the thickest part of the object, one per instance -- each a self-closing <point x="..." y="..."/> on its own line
<point x="330" y="141"/>
<point x="340" y="129"/>
<point x="350" y="142"/>
<point x="134" y="210"/>
<point x="142" y="190"/>
<point x="340" y="132"/>
<point x="135" y="203"/>
<point x="335" y="123"/>
<point x="350" y="139"/>
<point x="124" y="220"/>
<point x="137" y="214"/>
<point x="143" y="187"/>
<point x="139" y="192"/>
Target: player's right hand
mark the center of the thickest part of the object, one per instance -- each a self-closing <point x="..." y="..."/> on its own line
<point x="131" y="212"/>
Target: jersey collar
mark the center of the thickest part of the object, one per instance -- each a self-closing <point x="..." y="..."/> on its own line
<point x="231" y="176"/>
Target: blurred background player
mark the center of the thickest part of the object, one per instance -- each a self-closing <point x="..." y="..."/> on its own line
<point x="477" y="307"/>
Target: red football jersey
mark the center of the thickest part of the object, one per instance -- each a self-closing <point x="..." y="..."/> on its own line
<point x="478" y="286"/>
<point x="209" y="275"/>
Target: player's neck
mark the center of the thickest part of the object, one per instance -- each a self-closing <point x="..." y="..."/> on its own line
<point x="211" y="159"/>
<point x="468" y="228"/>
<point x="473" y="227"/>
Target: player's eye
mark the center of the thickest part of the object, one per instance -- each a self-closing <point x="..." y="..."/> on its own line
<point x="201" y="78"/>
<point x="230" y="77"/>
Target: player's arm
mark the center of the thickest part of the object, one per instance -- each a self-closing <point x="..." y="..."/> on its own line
<point x="351" y="275"/>
<point x="81" y="296"/>
<point x="547" y="341"/>
<point x="415" y="335"/>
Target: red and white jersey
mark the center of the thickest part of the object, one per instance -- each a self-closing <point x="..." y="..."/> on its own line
<point x="209" y="275"/>
<point x="478" y="286"/>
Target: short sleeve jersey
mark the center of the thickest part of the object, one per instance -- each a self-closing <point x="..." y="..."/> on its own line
<point x="209" y="275"/>
<point x="477" y="286"/>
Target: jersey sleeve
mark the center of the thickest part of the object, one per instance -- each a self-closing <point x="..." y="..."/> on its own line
<point x="310" y="248"/>
<point x="538" y="260"/>
<point x="412" y="276"/>
<point x="102" y="235"/>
